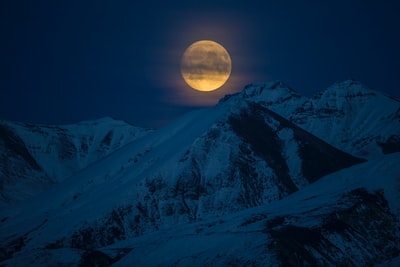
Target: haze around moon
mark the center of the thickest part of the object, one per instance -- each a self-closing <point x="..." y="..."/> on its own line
<point x="206" y="65"/>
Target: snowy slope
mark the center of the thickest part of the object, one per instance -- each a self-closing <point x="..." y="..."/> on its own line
<point x="354" y="118"/>
<point x="244" y="164"/>
<point x="348" y="115"/>
<point x="348" y="218"/>
<point x="208" y="163"/>
<point x="37" y="156"/>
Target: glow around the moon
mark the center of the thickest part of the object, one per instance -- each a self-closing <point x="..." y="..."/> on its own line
<point x="206" y="65"/>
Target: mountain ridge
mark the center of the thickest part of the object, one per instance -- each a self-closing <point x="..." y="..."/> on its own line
<point x="347" y="115"/>
<point x="56" y="151"/>
<point x="251" y="150"/>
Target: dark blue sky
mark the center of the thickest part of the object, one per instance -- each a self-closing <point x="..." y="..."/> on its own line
<point x="67" y="61"/>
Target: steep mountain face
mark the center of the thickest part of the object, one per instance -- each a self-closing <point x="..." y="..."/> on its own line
<point x="246" y="156"/>
<point x="347" y="115"/>
<point x="34" y="157"/>
<point x="354" y="118"/>
<point x="249" y="157"/>
<point x="349" y="218"/>
<point x="18" y="169"/>
<point x="240" y="183"/>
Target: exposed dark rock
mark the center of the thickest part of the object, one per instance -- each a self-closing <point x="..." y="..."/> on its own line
<point x="13" y="144"/>
<point x="17" y="168"/>
<point x="66" y="149"/>
<point x="365" y="224"/>
<point x="106" y="142"/>
<point x="189" y="189"/>
<point x="250" y="126"/>
<point x="105" y="231"/>
<point x="252" y="183"/>
<point x="12" y="247"/>
<point x="95" y="258"/>
<point x="56" y="244"/>
<point x="391" y="145"/>
<point x="318" y="157"/>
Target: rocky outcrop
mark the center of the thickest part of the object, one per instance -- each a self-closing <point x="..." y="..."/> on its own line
<point x="360" y="231"/>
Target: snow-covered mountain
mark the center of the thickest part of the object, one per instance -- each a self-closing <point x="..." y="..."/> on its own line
<point x="33" y="157"/>
<point x="246" y="182"/>
<point x="348" y="115"/>
<point x="349" y="218"/>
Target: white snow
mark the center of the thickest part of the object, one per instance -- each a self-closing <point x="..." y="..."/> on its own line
<point x="347" y="115"/>
<point x="202" y="242"/>
<point x="114" y="176"/>
<point x="85" y="140"/>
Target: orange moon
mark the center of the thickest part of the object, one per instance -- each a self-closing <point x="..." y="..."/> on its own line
<point x="206" y="65"/>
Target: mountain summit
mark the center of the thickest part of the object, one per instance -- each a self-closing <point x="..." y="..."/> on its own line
<point x="348" y="115"/>
<point x="267" y="177"/>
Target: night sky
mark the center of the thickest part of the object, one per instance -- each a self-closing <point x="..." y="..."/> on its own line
<point x="67" y="61"/>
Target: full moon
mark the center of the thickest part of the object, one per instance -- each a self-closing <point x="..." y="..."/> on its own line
<point x="206" y="65"/>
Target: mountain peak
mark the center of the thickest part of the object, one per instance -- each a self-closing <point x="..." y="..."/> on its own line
<point x="347" y="89"/>
<point x="268" y="92"/>
<point x="102" y="121"/>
